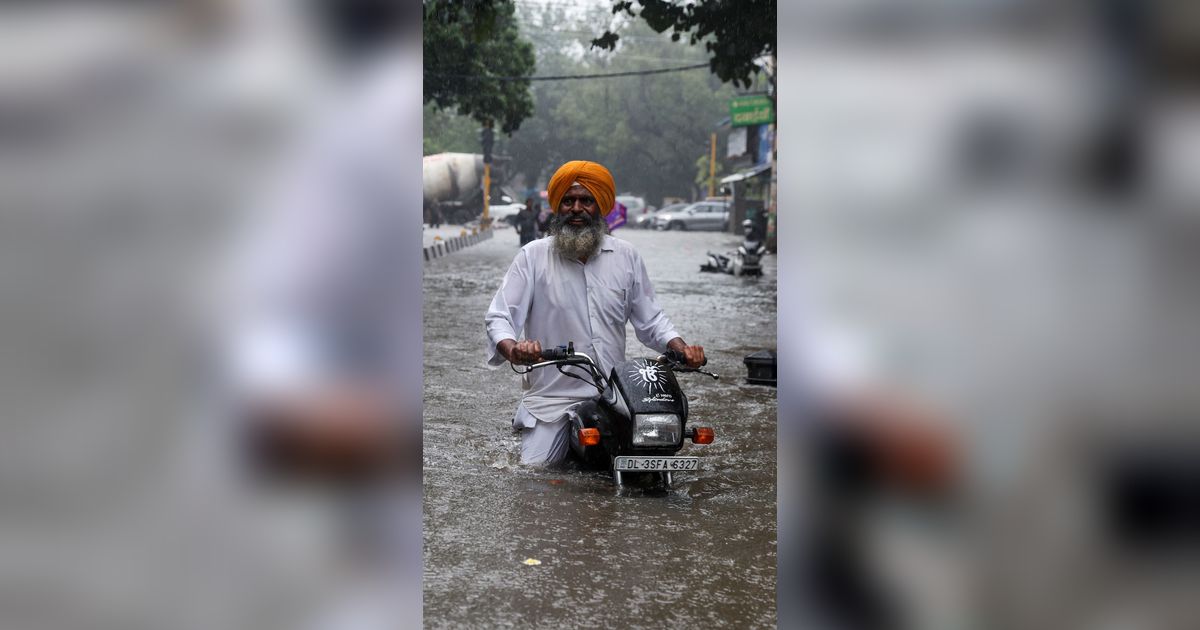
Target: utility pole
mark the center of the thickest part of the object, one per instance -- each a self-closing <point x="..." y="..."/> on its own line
<point x="712" y="166"/>
<point x="487" y="139"/>
<point x="487" y="186"/>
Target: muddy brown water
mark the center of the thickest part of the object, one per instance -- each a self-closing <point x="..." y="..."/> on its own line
<point x="701" y="554"/>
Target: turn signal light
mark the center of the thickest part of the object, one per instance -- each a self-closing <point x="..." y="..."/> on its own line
<point x="703" y="435"/>
<point x="589" y="437"/>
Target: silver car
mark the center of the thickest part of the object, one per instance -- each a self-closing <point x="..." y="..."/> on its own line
<point x="637" y="210"/>
<point x="702" y="215"/>
<point x="646" y="221"/>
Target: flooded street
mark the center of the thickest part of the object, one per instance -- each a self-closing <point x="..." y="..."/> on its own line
<point x="702" y="554"/>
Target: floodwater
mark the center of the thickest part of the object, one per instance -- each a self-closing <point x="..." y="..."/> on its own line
<point x="701" y="554"/>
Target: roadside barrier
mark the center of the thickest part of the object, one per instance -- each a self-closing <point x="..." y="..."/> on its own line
<point x="450" y="245"/>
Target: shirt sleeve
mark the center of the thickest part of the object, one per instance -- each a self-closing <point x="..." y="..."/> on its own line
<point x="293" y="273"/>
<point x="506" y="316"/>
<point x="275" y="359"/>
<point x="650" y="323"/>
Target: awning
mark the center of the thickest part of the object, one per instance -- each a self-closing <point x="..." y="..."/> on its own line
<point x="747" y="174"/>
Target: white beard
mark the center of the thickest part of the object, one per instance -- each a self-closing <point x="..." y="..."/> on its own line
<point x="575" y="242"/>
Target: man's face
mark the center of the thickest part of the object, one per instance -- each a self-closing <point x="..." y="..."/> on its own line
<point x="578" y="206"/>
<point x="578" y="226"/>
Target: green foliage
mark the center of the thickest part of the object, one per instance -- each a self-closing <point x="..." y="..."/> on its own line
<point x="735" y="34"/>
<point x="648" y="129"/>
<point x="446" y="132"/>
<point x="701" y="180"/>
<point x="465" y="40"/>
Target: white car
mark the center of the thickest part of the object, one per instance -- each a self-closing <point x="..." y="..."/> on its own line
<point x="635" y="208"/>
<point x="504" y="211"/>
<point x="646" y="221"/>
<point x="504" y="208"/>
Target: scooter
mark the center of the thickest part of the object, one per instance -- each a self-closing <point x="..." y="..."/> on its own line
<point x="717" y="263"/>
<point x="747" y="260"/>
<point x="639" y="418"/>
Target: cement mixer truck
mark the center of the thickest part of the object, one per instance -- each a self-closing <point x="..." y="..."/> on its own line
<point x="453" y="186"/>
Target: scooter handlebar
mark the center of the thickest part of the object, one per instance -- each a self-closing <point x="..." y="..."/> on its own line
<point x="554" y="354"/>
<point x="676" y="356"/>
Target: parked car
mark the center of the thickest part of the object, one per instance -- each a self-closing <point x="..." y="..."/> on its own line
<point x="702" y="215"/>
<point x="646" y="221"/>
<point x="506" y="212"/>
<point x="635" y="207"/>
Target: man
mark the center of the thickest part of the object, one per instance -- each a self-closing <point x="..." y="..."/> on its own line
<point x="543" y="221"/>
<point x="527" y="222"/>
<point x="582" y="285"/>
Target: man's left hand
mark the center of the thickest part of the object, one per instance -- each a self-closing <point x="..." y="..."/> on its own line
<point x="693" y="355"/>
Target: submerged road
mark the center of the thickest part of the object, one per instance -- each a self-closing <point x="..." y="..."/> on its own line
<point x="701" y="555"/>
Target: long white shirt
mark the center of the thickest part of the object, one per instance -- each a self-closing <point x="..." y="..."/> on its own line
<point x="555" y="300"/>
<point x="321" y="284"/>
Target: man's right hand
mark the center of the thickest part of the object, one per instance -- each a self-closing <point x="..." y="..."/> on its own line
<point x="521" y="352"/>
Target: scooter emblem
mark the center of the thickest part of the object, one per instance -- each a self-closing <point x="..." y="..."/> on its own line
<point x="649" y="376"/>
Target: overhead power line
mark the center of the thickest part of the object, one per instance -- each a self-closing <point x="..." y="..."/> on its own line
<point x="565" y="77"/>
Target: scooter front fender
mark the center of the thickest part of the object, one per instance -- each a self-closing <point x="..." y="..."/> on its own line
<point x="590" y="415"/>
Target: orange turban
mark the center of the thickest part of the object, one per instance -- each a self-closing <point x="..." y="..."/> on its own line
<point x="594" y="177"/>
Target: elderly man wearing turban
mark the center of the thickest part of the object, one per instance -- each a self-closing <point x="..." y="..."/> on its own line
<point x="580" y="285"/>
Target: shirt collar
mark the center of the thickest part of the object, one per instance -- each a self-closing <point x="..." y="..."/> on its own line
<point x="606" y="245"/>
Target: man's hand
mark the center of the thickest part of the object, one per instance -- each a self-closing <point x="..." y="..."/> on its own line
<point x="346" y="433"/>
<point x="521" y="352"/>
<point x="693" y="355"/>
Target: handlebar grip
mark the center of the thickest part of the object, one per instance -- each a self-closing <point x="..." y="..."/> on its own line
<point x="677" y="357"/>
<point x="554" y="354"/>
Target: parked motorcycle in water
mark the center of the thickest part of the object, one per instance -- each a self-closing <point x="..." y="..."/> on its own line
<point x="747" y="260"/>
<point x="639" y="418"/>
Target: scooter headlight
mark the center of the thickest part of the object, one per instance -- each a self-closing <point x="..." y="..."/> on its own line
<point x="658" y="429"/>
<point x="742" y="250"/>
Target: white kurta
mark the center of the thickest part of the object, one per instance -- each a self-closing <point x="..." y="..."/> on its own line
<point x="554" y="300"/>
<point x="322" y="282"/>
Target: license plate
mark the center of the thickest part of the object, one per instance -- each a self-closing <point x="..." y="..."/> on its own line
<point x="656" y="464"/>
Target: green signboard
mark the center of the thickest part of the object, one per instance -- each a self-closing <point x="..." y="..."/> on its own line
<point x="751" y="110"/>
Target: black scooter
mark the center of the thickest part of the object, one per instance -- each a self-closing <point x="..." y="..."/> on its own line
<point x="747" y="260"/>
<point x="639" y="418"/>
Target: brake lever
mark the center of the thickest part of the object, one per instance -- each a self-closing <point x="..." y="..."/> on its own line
<point x="682" y="367"/>
<point x="715" y="376"/>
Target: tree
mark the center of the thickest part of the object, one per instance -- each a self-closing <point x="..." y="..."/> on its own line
<point x="702" y="172"/>
<point x="647" y="129"/>
<point x="449" y="133"/>
<point x="464" y="43"/>
<point x="735" y="34"/>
